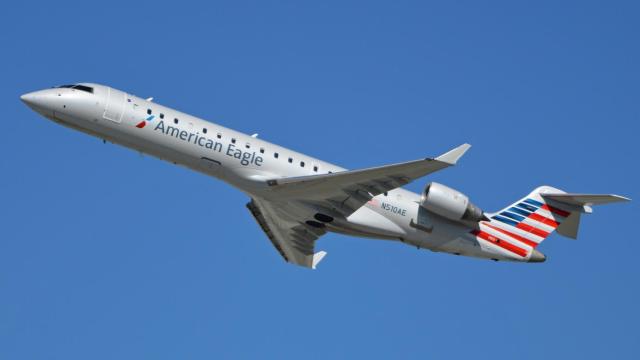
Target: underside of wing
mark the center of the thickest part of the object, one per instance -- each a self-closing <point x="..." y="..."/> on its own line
<point x="292" y="237"/>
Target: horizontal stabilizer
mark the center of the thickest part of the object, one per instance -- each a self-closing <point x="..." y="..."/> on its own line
<point x="584" y="199"/>
<point x="581" y="203"/>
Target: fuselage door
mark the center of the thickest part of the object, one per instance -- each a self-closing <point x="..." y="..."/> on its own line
<point x="114" y="108"/>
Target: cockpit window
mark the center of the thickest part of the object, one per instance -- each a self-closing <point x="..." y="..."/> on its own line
<point x="84" y="88"/>
<point x="78" y="87"/>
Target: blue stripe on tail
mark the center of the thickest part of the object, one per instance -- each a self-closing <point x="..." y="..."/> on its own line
<point x="512" y="216"/>
<point x="505" y="220"/>
<point x="533" y="202"/>
<point x="519" y="211"/>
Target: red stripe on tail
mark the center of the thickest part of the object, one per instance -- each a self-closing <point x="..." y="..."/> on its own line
<point x="556" y="210"/>
<point x="499" y="242"/>
<point x="544" y="220"/>
<point x="522" y="239"/>
<point x="531" y="229"/>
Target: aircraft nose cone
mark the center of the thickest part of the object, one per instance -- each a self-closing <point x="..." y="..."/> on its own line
<point x="42" y="101"/>
<point x="29" y="98"/>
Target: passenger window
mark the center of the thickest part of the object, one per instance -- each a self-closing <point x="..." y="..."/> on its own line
<point x="175" y="121"/>
<point x="290" y="160"/>
<point x="315" y="168"/>
<point x="161" y="116"/>
<point x="219" y="136"/>
<point x="233" y="141"/>
<point x="301" y="163"/>
<point x="148" y="111"/>
<point x="261" y="150"/>
<point x="275" y="155"/>
<point x="247" y="145"/>
<point x="204" y="130"/>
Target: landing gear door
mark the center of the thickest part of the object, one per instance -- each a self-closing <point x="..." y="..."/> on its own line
<point x="114" y="108"/>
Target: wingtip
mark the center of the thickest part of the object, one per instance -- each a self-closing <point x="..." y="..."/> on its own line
<point x="452" y="156"/>
<point x="621" y="198"/>
<point x="317" y="257"/>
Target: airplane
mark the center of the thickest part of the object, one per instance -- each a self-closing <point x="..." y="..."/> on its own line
<point x="296" y="199"/>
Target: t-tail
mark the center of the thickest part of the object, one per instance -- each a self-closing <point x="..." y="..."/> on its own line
<point x="518" y="229"/>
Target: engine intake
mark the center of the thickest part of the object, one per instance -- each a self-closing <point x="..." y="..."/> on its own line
<point x="450" y="203"/>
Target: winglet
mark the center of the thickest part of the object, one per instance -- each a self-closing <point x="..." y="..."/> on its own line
<point x="317" y="257"/>
<point x="452" y="156"/>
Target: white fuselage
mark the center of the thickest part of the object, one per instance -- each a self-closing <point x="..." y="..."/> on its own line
<point x="243" y="161"/>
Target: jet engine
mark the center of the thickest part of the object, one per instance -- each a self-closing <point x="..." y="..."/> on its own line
<point x="450" y="204"/>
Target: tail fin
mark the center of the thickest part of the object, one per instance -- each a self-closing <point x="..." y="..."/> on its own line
<point x="530" y="220"/>
<point x="534" y="217"/>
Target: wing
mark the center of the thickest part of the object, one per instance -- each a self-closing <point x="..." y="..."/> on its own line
<point x="338" y="193"/>
<point x="293" y="238"/>
<point x="344" y="192"/>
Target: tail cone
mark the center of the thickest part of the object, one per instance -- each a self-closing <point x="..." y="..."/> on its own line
<point x="537" y="256"/>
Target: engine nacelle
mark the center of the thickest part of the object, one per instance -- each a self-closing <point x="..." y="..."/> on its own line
<point x="450" y="203"/>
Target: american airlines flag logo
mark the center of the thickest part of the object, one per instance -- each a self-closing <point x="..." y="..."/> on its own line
<point x="521" y="227"/>
<point x="143" y="123"/>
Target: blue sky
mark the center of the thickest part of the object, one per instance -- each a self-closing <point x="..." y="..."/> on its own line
<point x="106" y="254"/>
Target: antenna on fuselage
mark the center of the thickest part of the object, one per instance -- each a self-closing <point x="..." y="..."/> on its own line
<point x="254" y="135"/>
<point x="150" y="99"/>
